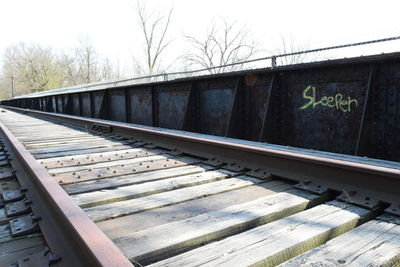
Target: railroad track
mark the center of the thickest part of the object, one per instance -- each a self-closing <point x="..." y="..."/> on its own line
<point x="98" y="193"/>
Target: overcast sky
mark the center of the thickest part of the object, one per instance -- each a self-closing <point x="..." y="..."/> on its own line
<point x="112" y="24"/>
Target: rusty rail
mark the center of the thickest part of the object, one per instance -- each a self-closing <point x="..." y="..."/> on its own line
<point x="378" y="181"/>
<point x="68" y="231"/>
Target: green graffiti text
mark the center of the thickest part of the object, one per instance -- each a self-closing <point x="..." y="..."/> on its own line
<point x="338" y="101"/>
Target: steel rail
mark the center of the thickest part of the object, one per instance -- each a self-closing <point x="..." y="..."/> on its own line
<point x="68" y="231"/>
<point x="376" y="181"/>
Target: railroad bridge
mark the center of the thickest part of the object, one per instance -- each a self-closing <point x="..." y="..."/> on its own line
<point x="292" y="166"/>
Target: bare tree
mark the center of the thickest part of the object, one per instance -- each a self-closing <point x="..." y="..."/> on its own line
<point x="88" y="60"/>
<point x="225" y="43"/>
<point x="71" y="69"/>
<point x="154" y="27"/>
<point x="289" y="46"/>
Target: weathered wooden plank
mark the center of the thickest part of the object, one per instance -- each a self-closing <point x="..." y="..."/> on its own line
<point x="54" y="139"/>
<point x="81" y="152"/>
<point x="81" y="146"/>
<point x="47" y="144"/>
<point x="131" y="206"/>
<point x="163" y="241"/>
<point x="15" y="249"/>
<point x="276" y="242"/>
<point x="127" y="225"/>
<point x="101" y="173"/>
<point x="5" y="234"/>
<point x="115" y="182"/>
<point x="141" y="190"/>
<point x="109" y="163"/>
<point x="62" y="162"/>
<point x="375" y="243"/>
<point x="40" y="138"/>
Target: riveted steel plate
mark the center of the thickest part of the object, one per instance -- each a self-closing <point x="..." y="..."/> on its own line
<point x="312" y="187"/>
<point x="13" y="195"/>
<point x="6" y="173"/>
<point x="234" y="167"/>
<point x="359" y="199"/>
<point x="259" y="173"/>
<point x="394" y="209"/>
<point x="23" y="225"/>
<point x="17" y="208"/>
<point x="215" y="162"/>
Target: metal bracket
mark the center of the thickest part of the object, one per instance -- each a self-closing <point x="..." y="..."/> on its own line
<point x="259" y="173"/>
<point x="359" y="199"/>
<point x="214" y="162"/>
<point x="394" y="209"/>
<point x="234" y="167"/>
<point x="14" y="195"/>
<point x="312" y="187"/>
<point x="24" y="225"/>
<point x="39" y="259"/>
<point x="18" y="208"/>
<point x="139" y="143"/>
<point x="102" y="128"/>
<point x="175" y="152"/>
<point x="7" y="174"/>
<point x="150" y="146"/>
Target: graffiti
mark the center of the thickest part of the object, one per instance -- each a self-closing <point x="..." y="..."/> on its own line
<point x="338" y="101"/>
